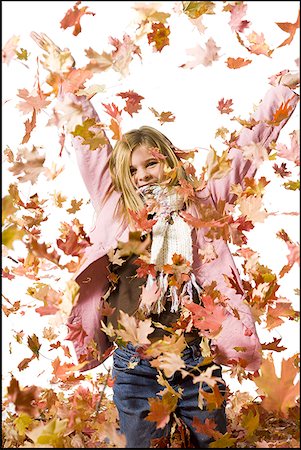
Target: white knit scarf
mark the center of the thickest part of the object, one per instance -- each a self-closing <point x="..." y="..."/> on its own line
<point x="171" y="234"/>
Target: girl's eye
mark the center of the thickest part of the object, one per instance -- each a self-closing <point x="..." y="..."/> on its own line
<point x="152" y="163"/>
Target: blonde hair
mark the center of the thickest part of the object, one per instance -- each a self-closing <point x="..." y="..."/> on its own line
<point x="120" y="162"/>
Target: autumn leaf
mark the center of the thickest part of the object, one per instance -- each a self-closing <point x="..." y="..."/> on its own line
<point x="224" y="106"/>
<point x="29" y="126"/>
<point x="237" y="12"/>
<point x="218" y="166"/>
<point x="123" y="54"/>
<point x="50" y="434"/>
<point x="74" y="80"/>
<point x="92" y="134"/>
<point x="76" y="333"/>
<point x="160" y="409"/>
<point x="169" y="363"/>
<point x="98" y="62"/>
<point x="280" y="393"/>
<point x="276" y="315"/>
<point x="9" y="49"/>
<point x="34" y="345"/>
<point x="163" y="116"/>
<point x="292" y="153"/>
<point x="282" y="113"/>
<point x="237" y="63"/>
<point x="134" y="330"/>
<point x="196" y="9"/>
<point x="258" y="44"/>
<point x="73" y="17"/>
<point x="159" y="36"/>
<point x="208" y="318"/>
<point x="133" y="100"/>
<point x="23" y="398"/>
<point x="251" y="208"/>
<point x="36" y="100"/>
<point x="141" y="219"/>
<point x="273" y="345"/>
<point x="290" y="28"/>
<point x="144" y="268"/>
<point x="204" y="56"/>
<point x="149" y="296"/>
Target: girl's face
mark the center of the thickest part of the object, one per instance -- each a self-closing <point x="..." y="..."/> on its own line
<point x="145" y="169"/>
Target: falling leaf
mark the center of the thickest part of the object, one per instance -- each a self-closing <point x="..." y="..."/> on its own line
<point x="163" y="116"/>
<point x="290" y="28"/>
<point x="237" y="12"/>
<point x="258" y="44"/>
<point x="251" y="208"/>
<point x="197" y="9"/>
<point x="23" y="398"/>
<point x="273" y="345"/>
<point x="224" y="106"/>
<point x="218" y="166"/>
<point x="50" y="434"/>
<point x="160" y="409"/>
<point x="134" y="330"/>
<point x="73" y="17"/>
<point x="237" y="63"/>
<point x="280" y="394"/>
<point x="159" y="36"/>
<point x="204" y="56"/>
<point x="133" y="100"/>
<point x="9" y="49"/>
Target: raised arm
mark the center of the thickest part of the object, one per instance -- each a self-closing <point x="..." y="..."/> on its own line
<point x="263" y="133"/>
<point x="93" y="160"/>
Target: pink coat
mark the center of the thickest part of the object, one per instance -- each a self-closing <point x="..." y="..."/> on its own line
<point x="92" y="276"/>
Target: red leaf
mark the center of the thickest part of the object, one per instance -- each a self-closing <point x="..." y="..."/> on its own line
<point x="73" y="16"/>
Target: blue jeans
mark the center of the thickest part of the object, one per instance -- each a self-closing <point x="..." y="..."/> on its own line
<point x="134" y="386"/>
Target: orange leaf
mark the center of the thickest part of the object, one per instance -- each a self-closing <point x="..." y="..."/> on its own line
<point x="289" y="28"/>
<point x="23" y="399"/>
<point x="237" y="63"/>
<point x="73" y="16"/>
<point x="160" y="409"/>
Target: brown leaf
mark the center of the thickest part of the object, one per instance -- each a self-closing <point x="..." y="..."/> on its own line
<point x="290" y="28"/>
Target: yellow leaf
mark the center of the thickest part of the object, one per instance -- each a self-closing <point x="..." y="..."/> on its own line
<point x="51" y="433"/>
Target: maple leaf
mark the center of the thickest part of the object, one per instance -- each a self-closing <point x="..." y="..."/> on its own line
<point x="208" y="318"/>
<point x="123" y="54"/>
<point x="236" y="23"/>
<point x="135" y="331"/>
<point x="196" y="9"/>
<point x="160" y="409"/>
<point x="163" y="116"/>
<point x="74" y="80"/>
<point x="28" y="165"/>
<point x="50" y="434"/>
<point x="169" y="363"/>
<point x="208" y="427"/>
<point x="36" y="100"/>
<point x="73" y="17"/>
<point x="204" y="56"/>
<point x="141" y="219"/>
<point x="159" y="36"/>
<point x="225" y="106"/>
<point x="237" y="63"/>
<point x="98" y="63"/>
<point x="75" y="240"/>
<point x="251" y="208"/>
<point x="75" y="206"/>
<point x="282" y="170"/>
<point x="258" y="44"/>
<point x="9" y="49"/>
<point x="283" y="308"/>
<point x="76" y="333"/>
<point x="145" y="268"/>
<point x="290" y="28"/>
<point x="280" y="393"/>
<point x="133" y="100"/>
<point x="149" y="297"/>
<point x="92" y="134"/>
<point x="23" y="398"/>
<point x="218" y="166"/>
<point x="34" y="345"/>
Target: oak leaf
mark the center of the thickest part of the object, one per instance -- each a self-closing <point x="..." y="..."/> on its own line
<point x="237" y="63"/>
<point x="133" y="100"/>
<point x="224" y="106"/>
<point x="159" y="36"/>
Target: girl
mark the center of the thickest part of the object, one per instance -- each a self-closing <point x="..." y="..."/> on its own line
<point x="153" y="284"/>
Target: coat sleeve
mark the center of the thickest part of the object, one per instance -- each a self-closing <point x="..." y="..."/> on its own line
<point x="93" y="164"/>
<point x="262" y="133"/>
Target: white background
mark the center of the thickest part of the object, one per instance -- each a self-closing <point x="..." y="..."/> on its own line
<point x="191" y="95"/>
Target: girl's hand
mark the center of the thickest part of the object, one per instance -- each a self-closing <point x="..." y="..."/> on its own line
<point x="55" y="59"/>
<point x="286" y="78"/>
